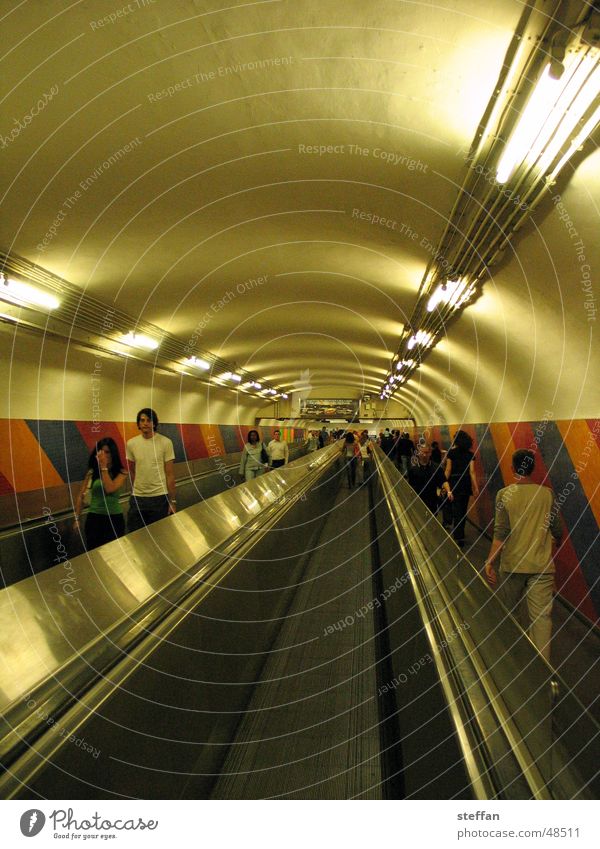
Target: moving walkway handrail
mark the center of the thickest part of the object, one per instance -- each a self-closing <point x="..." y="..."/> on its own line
<point x="138" y="576"/>
<point x="544" y="761"/>
<point x="67" y="513"/>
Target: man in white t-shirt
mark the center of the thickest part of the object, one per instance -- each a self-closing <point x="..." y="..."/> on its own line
<point x="151" y="459"/>
<point x="277" y="451"/>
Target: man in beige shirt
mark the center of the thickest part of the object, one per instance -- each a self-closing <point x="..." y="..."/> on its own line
<point x="524" y="530"/>
<point x="277" y="451"/>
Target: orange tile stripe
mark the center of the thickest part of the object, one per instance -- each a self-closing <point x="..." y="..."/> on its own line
<point x="23" y="462"/>
<point x="505" y="447"/>
<point x="580" y="442"/>
<point x="212" y="439"/>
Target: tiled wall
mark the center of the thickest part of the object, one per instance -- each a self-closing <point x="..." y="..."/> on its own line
<point x="38" y="454"/>
<point x="568" y="461"/>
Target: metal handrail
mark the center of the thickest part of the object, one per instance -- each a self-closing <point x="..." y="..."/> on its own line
<point x="405" y="523"/>
<point x="68" y="695"/>
<point x="68" y="512"/>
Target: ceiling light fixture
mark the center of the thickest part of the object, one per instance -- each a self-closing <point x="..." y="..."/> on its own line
<point x="560" y="100"/>
<point x="448" y="292"/>
<point x="25" y="295"/>
<point x="138" y="340"/>
<point x="421" y="337"/>
<point x="197" y="363"/>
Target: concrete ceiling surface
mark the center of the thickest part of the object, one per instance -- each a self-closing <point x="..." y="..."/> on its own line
<point x="255" y="173"/>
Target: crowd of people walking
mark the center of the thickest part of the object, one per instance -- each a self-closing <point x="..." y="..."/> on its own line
<point x="444" y="480"/>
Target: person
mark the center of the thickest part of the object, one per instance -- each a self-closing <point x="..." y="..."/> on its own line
<point x="252" y="463"/>
<point x="312" y="442"/>
<point x="104" y="478"/>
<point x="436" y="453"/>
<point x="364" y="463"/>
<point x="426" y="478"/>
<point x="396" y="436"/>
<point x="387" y="442"/>
<point x="323" y="437"/>
<point x="404" y="453"/>
<point x="524" y="529"/>
<point x="460" y="472"/>
<point x="151" y="459"/>
<point x="351" y="455"/>
<point x="277" y="451"/>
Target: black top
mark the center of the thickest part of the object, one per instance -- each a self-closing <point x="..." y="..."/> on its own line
<point x="405" y="447"/>
<point x="426" y="480"/>
<point x="460" y="479"/>
<point x="387" y="444"/>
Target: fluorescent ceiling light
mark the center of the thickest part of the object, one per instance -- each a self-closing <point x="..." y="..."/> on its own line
<point x="587" y="129"/>
<point x="552" y="112"/>
<point x="421" y="337"/>
<point x="138" y="340"/>
<point x="25" y="295"/>
<point x="197" y="363"/>
<point x="283" y="395"/>
<point x="446" y="293"/>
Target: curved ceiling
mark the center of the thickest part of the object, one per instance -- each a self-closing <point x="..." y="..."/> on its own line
<point x="270" y="179"/>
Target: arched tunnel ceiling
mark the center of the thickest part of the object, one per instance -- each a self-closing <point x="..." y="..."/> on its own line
<point x="218" y="167"/>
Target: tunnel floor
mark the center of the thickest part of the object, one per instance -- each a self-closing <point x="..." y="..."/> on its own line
<point x="311" y="730"/>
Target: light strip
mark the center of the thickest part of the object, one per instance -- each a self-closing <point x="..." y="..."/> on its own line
<point x="446" y="293"/>
<point x="197" y="363"/>
<point x="138" y="340"/>
<point x="538" y="106"/>
<point x="551" y="114"/>
<point x="587" y="129"/>
<point x="22" y="294"/>
<point x="421" y="337"/>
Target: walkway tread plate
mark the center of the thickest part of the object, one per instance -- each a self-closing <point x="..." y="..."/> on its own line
<point x="312" y="728"/>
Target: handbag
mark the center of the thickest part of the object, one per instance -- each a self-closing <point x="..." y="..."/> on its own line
<point x="264" y="457"/>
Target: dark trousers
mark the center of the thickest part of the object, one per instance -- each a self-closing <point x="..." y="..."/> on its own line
<point x="145" y="511"/>
<point x="100" y="529"/>
<point x="276" y="464"/>
<point x="460" y="506"/>
<point x="351" y="464"/>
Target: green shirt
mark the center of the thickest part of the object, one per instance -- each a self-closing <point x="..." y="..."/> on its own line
<point x="102" y="502"/>
<point x="526" y="522"/>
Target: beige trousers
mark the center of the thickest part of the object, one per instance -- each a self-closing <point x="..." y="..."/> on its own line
<point x="537" y="589"/>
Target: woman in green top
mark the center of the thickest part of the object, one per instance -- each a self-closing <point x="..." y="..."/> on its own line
<point x="104" y="479"/>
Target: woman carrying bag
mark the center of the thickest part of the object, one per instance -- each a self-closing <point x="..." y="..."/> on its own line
<point x="254" y="458"/>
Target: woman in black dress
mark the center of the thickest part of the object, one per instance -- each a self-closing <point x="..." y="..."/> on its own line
<point x="460" y="473"/>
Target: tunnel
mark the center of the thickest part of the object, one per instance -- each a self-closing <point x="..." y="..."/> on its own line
<point x="288" y="216"/>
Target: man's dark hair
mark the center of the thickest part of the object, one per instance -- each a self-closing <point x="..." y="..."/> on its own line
<point x="147" y="411"/>
<point x="523" y="462"/>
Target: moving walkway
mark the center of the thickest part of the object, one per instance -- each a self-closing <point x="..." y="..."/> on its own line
<point x="27" y="546"/>
<point x="288" y="638"/>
